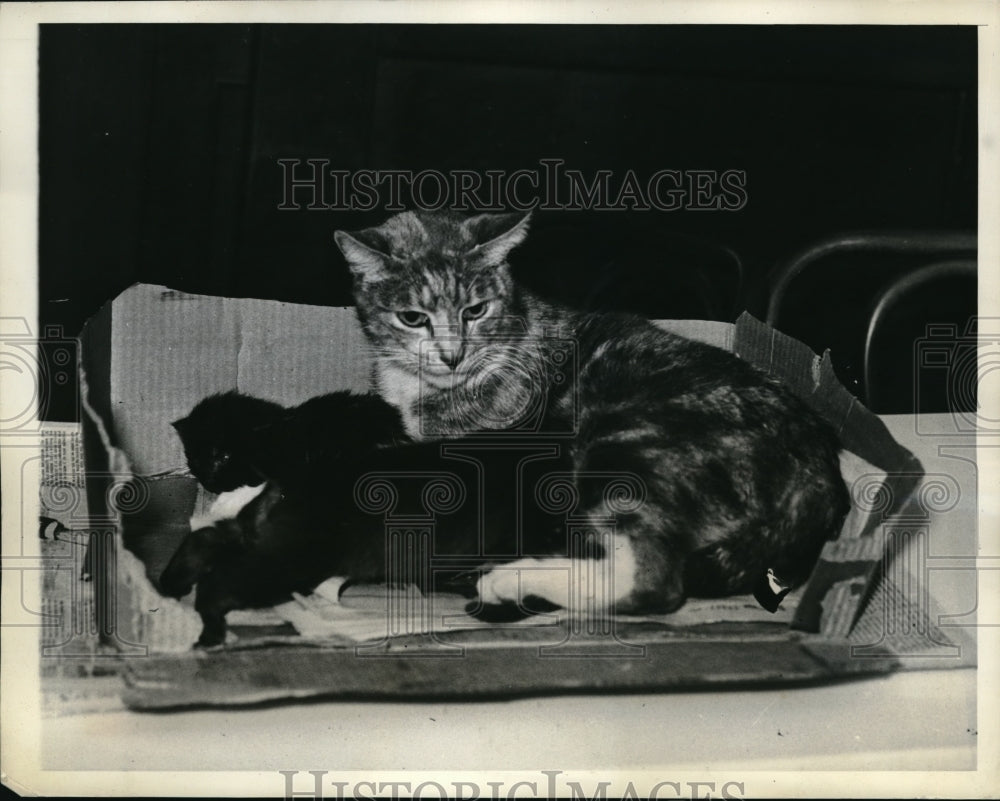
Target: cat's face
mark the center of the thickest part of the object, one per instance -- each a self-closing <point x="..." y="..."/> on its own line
<point x="434" y="289"/>
<point x="218" y="437"/>
<point x="215" y="462"/>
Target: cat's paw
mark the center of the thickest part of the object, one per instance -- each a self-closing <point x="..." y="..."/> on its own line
<point x="547" y="579"/>
<point x="214" y="635"/>
<point x="581" y="586"/>
<point x="510" y="611"/>
<point x="214" y="641"/>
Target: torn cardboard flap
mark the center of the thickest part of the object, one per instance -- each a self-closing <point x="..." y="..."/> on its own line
<point x="813" y="379"/>
<point x="710" y="332"/>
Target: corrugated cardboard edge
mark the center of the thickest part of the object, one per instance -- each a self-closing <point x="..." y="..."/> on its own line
<point x="133" y="617"/>
<point x="812" y="377"/>
<point x="241" y="677"/>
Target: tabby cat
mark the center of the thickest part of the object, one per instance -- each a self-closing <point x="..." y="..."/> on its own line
<point x="737" y="474"/>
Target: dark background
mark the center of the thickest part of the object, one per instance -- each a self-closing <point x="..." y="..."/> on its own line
<point x="159" y="148"/>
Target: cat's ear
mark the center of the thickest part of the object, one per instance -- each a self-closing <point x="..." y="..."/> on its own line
<point x="496" y="235"/>
<point x="365" y="253"/>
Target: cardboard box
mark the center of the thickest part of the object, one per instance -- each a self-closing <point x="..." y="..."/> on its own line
<point x="152" y="353"/>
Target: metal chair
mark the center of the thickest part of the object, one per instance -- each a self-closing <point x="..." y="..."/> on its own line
<point x="873" y="263"/>
<point x="916" y="243"/>
<point x="880" y="384"/>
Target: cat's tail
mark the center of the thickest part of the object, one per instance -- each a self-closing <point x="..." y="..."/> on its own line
<point x="710" y="573"/>
<point x="739" y="563"/>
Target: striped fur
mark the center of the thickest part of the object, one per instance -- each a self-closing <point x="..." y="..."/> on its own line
<point x="739" y="475"/>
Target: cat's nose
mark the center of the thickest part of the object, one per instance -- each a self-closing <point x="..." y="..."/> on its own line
<point x="451" y="356"/>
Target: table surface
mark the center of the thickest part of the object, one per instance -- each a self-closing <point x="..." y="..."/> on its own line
<point x="912" y="720"/>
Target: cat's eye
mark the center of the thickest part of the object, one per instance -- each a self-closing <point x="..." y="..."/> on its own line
<point x="475" y="311"/>
<point x="413" y="319"/>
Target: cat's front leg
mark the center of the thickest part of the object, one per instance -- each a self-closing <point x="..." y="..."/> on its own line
<point x="515" y="581"/>
<point x="579" y="585"/>
<point x="243" y="579"/>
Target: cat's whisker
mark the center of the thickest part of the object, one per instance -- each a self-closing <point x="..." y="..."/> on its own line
<point x="384" y="350"/>
<point x="390" y="354"/>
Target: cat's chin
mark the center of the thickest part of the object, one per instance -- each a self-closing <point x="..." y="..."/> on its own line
<point x="442" y="378"/>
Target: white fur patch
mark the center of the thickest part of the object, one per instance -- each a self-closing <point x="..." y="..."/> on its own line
<point x="226" y="506"/>
<point x="402" y="390"/>
<point x="578" y="585"/>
